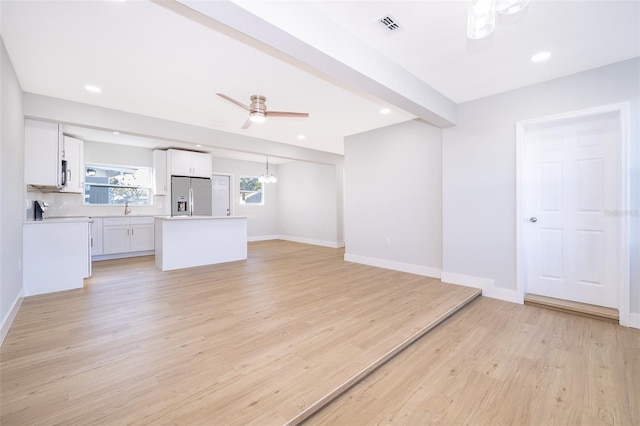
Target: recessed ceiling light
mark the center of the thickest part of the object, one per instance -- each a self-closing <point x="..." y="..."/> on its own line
<point x="301" y="136"/>
<point x="93" y="89"/>
<point x="198" y="145"/>
<point x="541" y="56"/>
<point x="385" y="111"/>
<point x="116" y="133"/>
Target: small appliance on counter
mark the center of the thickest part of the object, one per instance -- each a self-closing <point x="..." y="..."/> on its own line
<point x="39" y="207"/>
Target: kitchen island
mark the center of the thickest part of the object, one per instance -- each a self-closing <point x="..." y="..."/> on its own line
<point x="188" y="241"/>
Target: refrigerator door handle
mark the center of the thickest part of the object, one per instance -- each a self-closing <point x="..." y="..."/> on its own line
<point x="190" y="201"/>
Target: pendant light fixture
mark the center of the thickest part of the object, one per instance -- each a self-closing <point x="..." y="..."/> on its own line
<point x="509" y="7"/>
<point x="481" y="15"/>
<point x="481" y="18"/>
<point x="267" y="177"/>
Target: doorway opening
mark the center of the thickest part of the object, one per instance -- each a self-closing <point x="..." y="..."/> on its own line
<point x="222" y="200"/>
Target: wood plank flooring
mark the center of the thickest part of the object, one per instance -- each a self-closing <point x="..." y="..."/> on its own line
<point x="497" y="363"/>
<point x="251" y="342"/>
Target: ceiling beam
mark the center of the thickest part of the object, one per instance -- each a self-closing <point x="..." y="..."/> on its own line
<point x="315" y="41"/>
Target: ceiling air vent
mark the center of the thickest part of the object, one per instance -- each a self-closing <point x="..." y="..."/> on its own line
<point x="390" y="24"/>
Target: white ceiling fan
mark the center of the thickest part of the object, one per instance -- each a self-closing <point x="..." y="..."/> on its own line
<point x="258" y="110"/>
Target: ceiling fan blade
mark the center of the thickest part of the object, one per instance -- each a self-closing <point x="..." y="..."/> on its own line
<point x="233" y="101"/>
<point x="286" y="114"/>
<point x="246" y="124"/>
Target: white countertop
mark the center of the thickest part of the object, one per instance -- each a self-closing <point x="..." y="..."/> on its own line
<point x="58" y="220"/>
<point x="198" y="217"/>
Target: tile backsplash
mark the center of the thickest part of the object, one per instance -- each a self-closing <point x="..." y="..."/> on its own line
<point x="62" y="205"/>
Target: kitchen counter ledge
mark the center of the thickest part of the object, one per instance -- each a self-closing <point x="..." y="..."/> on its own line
<point x="198" y="217"/>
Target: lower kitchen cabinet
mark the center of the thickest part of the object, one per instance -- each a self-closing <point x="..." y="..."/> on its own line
<point x="55" y="255"/>
<point x="96" y="236"/>
<point x="127" y="234"/>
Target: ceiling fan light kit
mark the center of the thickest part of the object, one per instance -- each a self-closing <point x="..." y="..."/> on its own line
<point x="258" y="110"/>
<point x="481" y="15"/>
<point x="257" y="117"/>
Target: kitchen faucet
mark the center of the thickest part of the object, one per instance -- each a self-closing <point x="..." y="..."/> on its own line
<point x="127" y="209"/>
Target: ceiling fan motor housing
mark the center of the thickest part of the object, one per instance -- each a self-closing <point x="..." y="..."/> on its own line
<point x="257" y="104"/>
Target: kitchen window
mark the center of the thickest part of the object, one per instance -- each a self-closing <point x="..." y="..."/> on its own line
<point x="251" y="190"/>
<point x="117" y="185"/>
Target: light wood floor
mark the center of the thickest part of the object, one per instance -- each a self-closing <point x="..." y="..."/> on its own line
<point x="497" y="363"/>
<point x="252" y="342"/>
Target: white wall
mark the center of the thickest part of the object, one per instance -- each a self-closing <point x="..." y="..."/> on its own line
<point x="393" y="184"/>
<point x="262" y="219"/>
<point x="479" y="169"/>
<point x="11" y="192"/>
<point x="307" y="203"/>
<point x="114" y="154"/>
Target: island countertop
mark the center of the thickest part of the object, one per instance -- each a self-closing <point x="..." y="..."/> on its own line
<point x="198" y="217"/>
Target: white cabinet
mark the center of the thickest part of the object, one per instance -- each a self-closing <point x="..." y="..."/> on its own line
<point x="159" y="172"/>
<point x="96" y="236"/>
<point x="42" y="154"/>
<point x="187" y="163"/>
<point x="55" y="255"/>
<point x="127" y="234"/>
<point x="142" y="235"/>
<point x="73" y="154"/>
<point x="202" y="164"/>
<point x="45" y="150"/>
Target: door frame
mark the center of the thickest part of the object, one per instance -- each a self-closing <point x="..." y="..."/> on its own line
<point x="232" y="192"/>
<point x="622" y="111"/>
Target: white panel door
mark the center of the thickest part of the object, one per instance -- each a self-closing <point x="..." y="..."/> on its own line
<point x="221" y="188"/>
<point x="571" y="171"/>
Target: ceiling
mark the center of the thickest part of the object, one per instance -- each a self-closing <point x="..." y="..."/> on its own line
<point x="155" y="59"/>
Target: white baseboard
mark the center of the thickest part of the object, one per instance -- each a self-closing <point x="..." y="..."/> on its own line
<point x="485" y="284"/>
<point x="634" y="320"/>
<point x="393" y="265"/>
<point x="323" y="243"/>
<point x="10" y="316"/>
<point x="502" y="294"/>
<point x="262" y="238"/>
<point x="466" y="280"/>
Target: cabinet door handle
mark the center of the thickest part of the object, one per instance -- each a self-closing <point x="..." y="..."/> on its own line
<point x="127" y="232"/>
<point x="131" y="231"/>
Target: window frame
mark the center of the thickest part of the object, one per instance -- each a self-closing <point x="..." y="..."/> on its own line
<point x="240" y="191"/>
<point x="103" y="166"/>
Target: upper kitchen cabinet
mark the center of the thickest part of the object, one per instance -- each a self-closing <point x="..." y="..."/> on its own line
<point x="159" y="172"/>
<point x="53" y="162"/>
<point x="73" y="154"/>
<point x="187" y="163"/>
<point x="43" y="155"/>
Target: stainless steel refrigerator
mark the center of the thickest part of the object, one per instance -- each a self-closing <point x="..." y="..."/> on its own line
<point x="190" y="196"/>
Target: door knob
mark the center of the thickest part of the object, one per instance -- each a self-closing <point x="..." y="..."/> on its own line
<point x="533" y="219"/>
